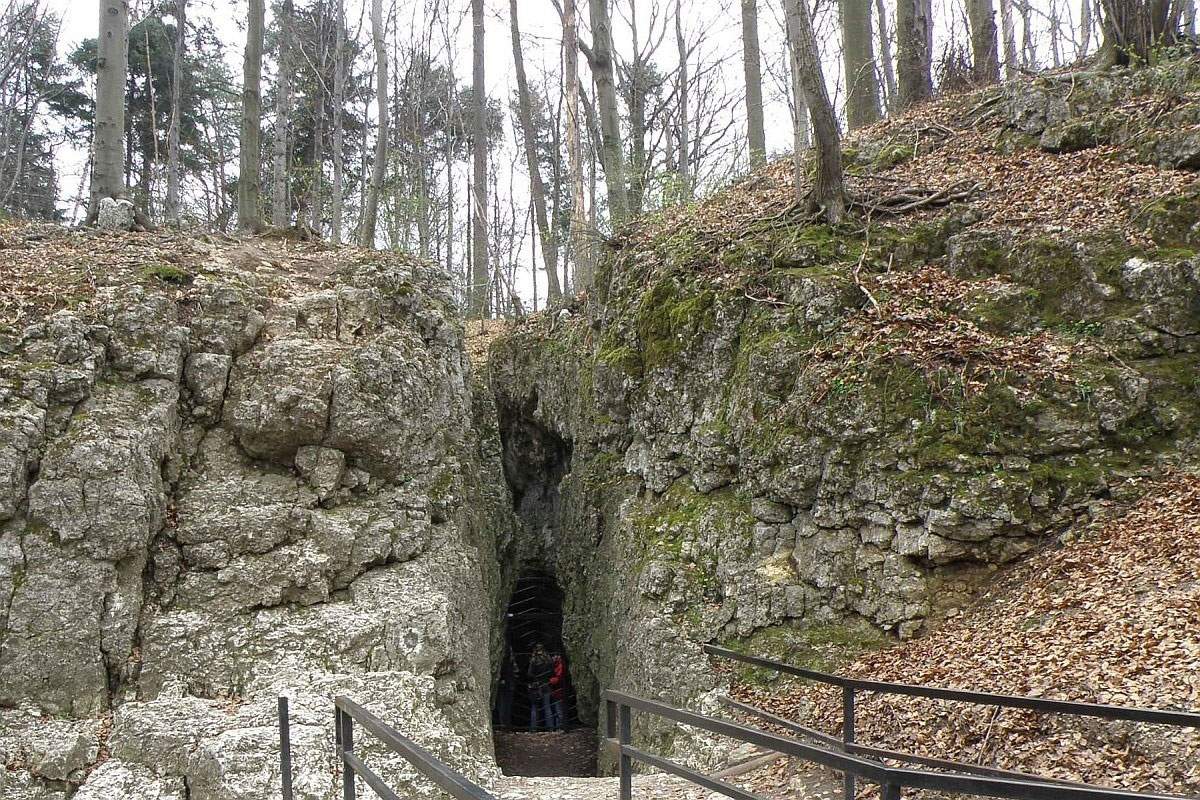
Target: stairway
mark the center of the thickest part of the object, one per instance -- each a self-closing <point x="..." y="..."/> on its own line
<point x="645" y="787"/>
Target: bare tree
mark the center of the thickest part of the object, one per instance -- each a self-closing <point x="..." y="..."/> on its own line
<point x="280" y="207"/>
<point x="478" y="306"/>
<point x="914" y="30"/>
<point x="370" y="216"/>
<point x="611" y="154"/>
<point x="176" y="110"/>
<point x="1009" y="36"/>
<point x="108" y="156"/>
<point x="752" y="66"/>
<point x="685" y="132"/>
<point x="885" y="53"/>
<point x="537" y="189"/>
<point x="250" y="157"/>
<point x="858" y="59"/>
<point x="1133" y="28"/>
<point x="828" y="195"/>
<point x="986" y="61"/>
<point x="578" y="225"/>
<point x="339" y="100"/>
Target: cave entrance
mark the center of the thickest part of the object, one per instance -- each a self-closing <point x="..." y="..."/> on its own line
<point x="535" y="713"/>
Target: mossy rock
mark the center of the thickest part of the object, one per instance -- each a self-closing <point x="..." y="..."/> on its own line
<point x="168" y="273"/>
<point x="893" y="155"/>
<point x="825" y="647"/>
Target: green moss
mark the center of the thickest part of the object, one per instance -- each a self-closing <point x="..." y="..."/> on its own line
<point x="823" y="647"/>
<point x="669" y="319"/>
<point x="168" y="274"/>
<point x="892" y="155"/>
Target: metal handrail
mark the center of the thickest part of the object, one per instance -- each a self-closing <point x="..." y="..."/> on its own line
<point x="1184" y="719"/>
<point x="891" y="779"/>
<point x="346" y="712"/>
<point x="849" y="686"/>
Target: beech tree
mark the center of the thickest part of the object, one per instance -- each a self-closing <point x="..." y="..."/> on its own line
<point x="828" y="194"/>
<point x="108" y="149"/>
<point x="752" y="68"/>
<point x="612" y="157"/>
<point x="280" y="207"/>
<point x="580" y="257"/>
<point x="985" y="65"/>
<point x="339" y="102"/>
<point x="1133" y="28"/>
<point x="914" y="33"/>
<point x="250" y="152"/>
<point x="478" y="295"/>
<point x="858" y="59"/>
<point x="537" y="189"/>
<point x="370" y="215"/>
<point x="176" y="112"/>
<point x="1009" y="38"/>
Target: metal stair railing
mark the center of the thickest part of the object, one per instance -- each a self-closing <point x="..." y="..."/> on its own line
<point x="851" y="686"/>
<point x="892" y="780"/>
<point x="347" y="712"/>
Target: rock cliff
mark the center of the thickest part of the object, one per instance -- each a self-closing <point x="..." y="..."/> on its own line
<point x="257" y="474"/>
<point x="783" y="430"/>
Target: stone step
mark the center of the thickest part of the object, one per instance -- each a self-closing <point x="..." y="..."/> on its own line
<point x="645" y="787"/>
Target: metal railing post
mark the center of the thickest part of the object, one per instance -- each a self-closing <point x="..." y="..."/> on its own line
<point x="891" y="791"/>
<point x="848" y="738"/>
<point x="624" y="738"/>
<point x="347" y="746"/>
<point x="285" y="749"/>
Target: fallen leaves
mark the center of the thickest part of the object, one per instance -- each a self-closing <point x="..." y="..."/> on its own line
<point x="1112" y="618"/>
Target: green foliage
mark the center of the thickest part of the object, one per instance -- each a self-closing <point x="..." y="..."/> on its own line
<point x="168" y="274"/>
<point x="823" y="647"/>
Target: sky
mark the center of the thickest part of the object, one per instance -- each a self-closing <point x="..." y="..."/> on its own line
<point x="716" y="22"/>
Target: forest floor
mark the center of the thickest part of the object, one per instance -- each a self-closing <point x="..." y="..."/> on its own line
<point x="1112" y="617"/>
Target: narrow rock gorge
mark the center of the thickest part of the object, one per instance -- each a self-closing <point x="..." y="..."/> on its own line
<point x="246" y="469"/>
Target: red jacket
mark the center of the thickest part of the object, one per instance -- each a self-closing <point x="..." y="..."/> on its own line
<point x="558" y="680"/>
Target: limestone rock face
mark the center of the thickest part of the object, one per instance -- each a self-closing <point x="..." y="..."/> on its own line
<point x="714" y="477"/>
<point x="203" y="508"/>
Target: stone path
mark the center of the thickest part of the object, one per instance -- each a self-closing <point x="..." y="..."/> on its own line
<point x="645" y="787"/>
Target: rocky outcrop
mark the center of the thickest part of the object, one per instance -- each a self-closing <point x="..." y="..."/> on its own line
<point x="838" y="463"/>
<point x="211" y="498"/>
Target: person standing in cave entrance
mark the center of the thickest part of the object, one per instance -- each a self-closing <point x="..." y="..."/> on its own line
<point x="507" y="689"/>
<point x="541" y="668"/>
<point x="558" y="691"/>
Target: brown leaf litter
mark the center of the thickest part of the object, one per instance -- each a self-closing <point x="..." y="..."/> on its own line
<point x="1112" y="618"/>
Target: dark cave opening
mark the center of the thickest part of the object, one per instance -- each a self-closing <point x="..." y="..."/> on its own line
<point x="535" y="713"/>
<point x="538" y="726"/>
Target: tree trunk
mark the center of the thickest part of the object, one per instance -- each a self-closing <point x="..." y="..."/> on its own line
<point x="479" y="214"/>
<point x="885" y="54"/>
<point x="984" y="50"/>
<point x="800" y="138"/>
<point x="1085" y="28"/>
<point x="1009" y="36"/>
<point x="685" y="133"/>
<point x="316" y="212"/>
<point x="173" y="179"/>
<point x="858" y="59"/>
<point x="339" y="99"/>
<point x="828" y="193"/>
<point x="280" y="207"/>
<point x="611" y="156"/>
<point x="537" y="189"/>
<point x="752" y="66"/>
<point x="1134" y="28"/>
<point x="108" y="179"/>
<point x="914" y="32"/>
<point x="370" y="217"/>
<point x="578" y="226"/>
<point x="250" y="157"/>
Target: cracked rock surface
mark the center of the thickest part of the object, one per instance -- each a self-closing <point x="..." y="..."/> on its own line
<point x="209" y="502"/>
